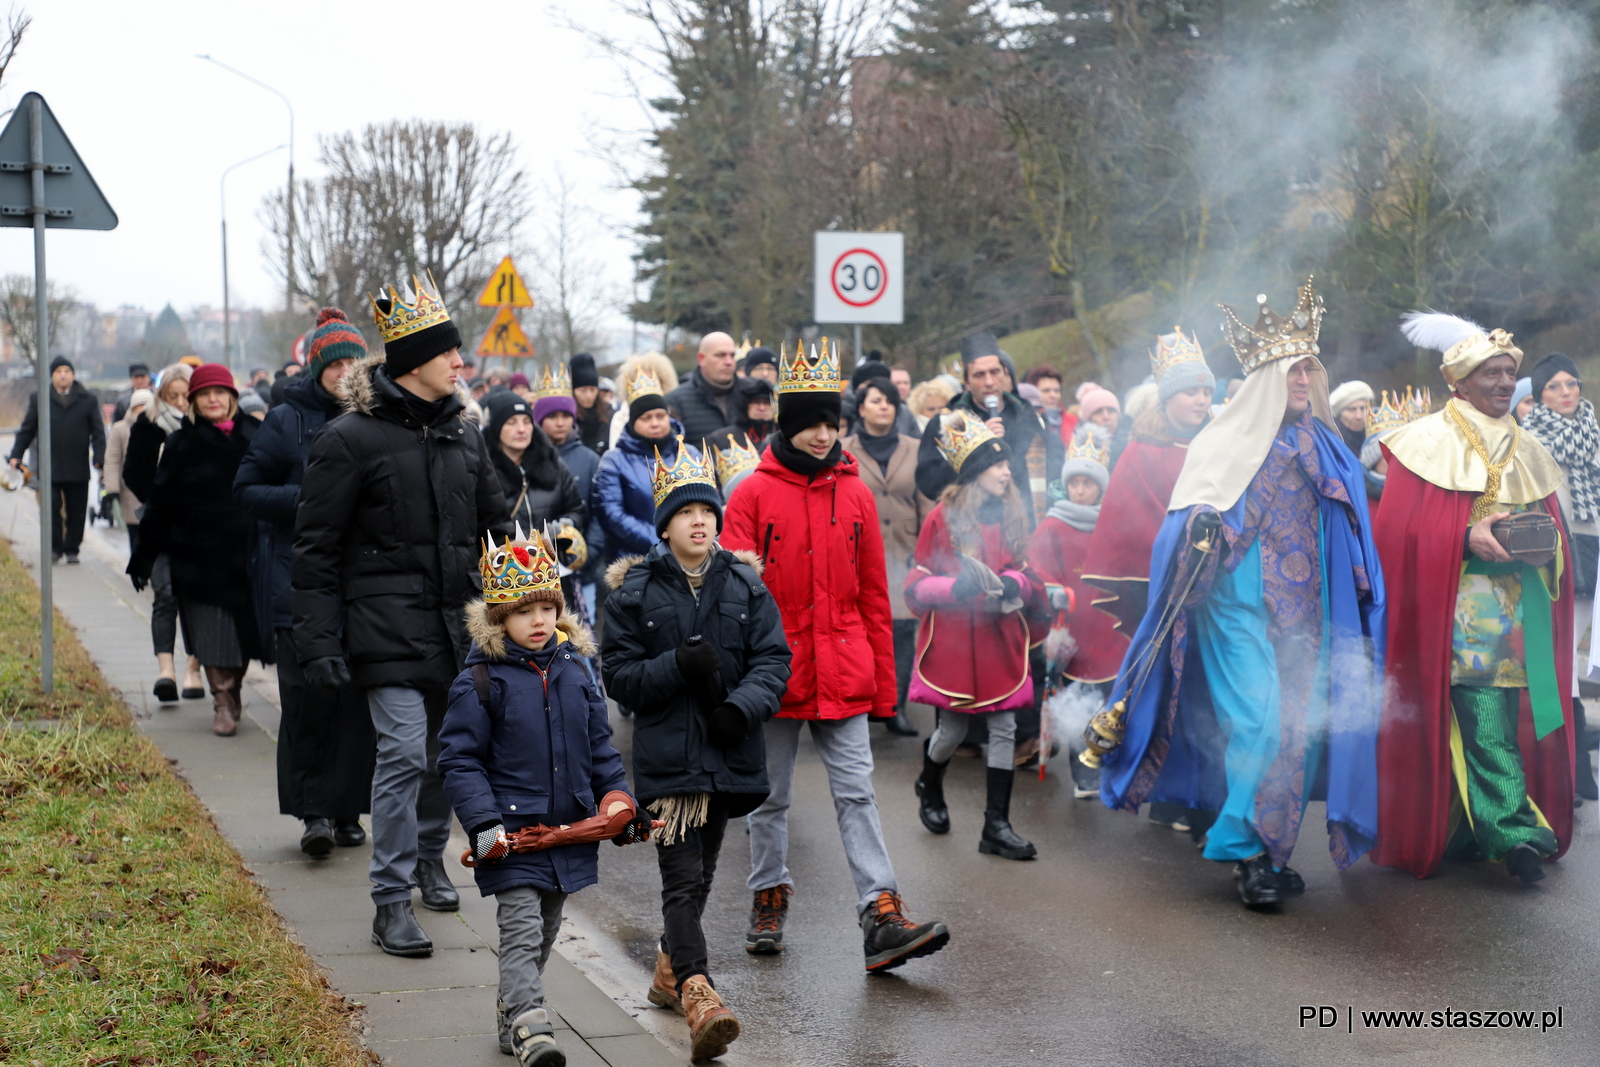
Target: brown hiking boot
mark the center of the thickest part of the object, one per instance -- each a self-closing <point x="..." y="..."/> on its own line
<point x="766" y="920"/>
<point x="712" y="1027"/>
<point x="664" y="987"/>
<point x="891" y="938"/>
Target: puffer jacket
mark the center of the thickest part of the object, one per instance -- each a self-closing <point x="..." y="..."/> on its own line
<point x="546" y="488"/>
<point x="823" y="555"/>
<point x="386" y="538"/>
<point x="583" y="461"/>
<point x="700" y="409"/>
<point x="651" y="611"/>
<point x="622" y="496"/>
<point x="540" y="752"/>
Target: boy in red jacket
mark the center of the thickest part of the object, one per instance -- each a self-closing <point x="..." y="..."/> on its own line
<point x="806" y="512"/>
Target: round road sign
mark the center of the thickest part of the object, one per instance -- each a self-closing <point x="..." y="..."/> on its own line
<point x="859" y="277"/>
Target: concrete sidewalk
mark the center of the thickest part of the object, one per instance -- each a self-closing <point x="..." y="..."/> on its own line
<point x="435" y="1012"/>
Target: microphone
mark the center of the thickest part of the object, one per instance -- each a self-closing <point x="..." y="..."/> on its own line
<point x="992" y="402"/>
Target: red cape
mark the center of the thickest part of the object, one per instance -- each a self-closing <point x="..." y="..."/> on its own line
<point x="1056" y="555"/>
<point x="1420" y="529"/>
<point x="1135" y="505"/>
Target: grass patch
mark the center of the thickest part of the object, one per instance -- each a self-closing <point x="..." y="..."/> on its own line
<point x="129" y="930"/>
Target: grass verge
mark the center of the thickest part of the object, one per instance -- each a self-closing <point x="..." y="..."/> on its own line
<point x="130" y="933"/>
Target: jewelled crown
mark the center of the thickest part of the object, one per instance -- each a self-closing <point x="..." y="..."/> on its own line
<point x="960" y="436"/>
<point x="553" y="385"/>
<point x="517" y="568"/>
<point x="1276" y="337"/>
<point x="420" y="308"/>
<point x="819" y="374"/>
<point x="735" y="459"/>
<point x="1393" y="412"/>
<point x="1090" y="449"/>
<point x="684" y="470"/>
<point x="646" y="384"/>
<point x="1183" y="350"/>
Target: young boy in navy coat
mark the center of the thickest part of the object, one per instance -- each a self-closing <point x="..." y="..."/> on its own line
<point x="526" y="740"/>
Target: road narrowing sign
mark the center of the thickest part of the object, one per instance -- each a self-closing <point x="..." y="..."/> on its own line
<point x="859" y="277"/>
<point x="505" y="288"/>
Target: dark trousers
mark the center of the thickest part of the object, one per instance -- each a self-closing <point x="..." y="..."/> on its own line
<point x="69" y="506"/>
<point x="686" y="870"/>
<point x="164" y="615"/>
<point x="326" y="746"/>
<point x="905" y="652"/>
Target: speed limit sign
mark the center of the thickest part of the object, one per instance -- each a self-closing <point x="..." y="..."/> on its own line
<point x="860" y="277"/>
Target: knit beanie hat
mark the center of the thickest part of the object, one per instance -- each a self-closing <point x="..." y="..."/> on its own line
<point x="1543" y="371"/>
<point x="1348" y="393"/>
<point x="1523" y="390"/>
<point x="691" y="480"/>
<point x="759" y="354"/>
<point x="405" y="353"/>
<point x="1188" y="374"/>
<point x="501" y="408"/>
<point x="250" y="402"/>
<point x="869" y="369"/>
<point x="995" y="450"/>
<point x="682" y="497"/>
<point x="801" y="411"/>
<point x="1097" y="399"/>
<point x="977" y="346"/>
<point x="1077" y="463"/>
<point x="333" y="339"/>
<point x="59" y="362"/>
<point x="520" y="379"/>
<point x="546" y="406"/>
<point x="583" y="370"/>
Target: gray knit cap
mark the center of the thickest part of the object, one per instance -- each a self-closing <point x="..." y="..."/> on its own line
<point x="1186" y="374"/>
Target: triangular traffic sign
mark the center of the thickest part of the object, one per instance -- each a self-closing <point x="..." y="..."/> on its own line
<point x="72" y="200"/>
<point x="504" y="337"/>
<point x="505" y="289"/>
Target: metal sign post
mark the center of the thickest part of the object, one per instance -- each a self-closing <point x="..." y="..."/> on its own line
<point x="34" y="146"/>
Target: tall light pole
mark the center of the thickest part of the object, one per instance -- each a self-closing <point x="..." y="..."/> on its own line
<point x="227" y="312"/>
<point x="288" y="256"/>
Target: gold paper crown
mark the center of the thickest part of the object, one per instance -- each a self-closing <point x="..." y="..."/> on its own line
<point x="1391" y="413"/>
<point x="1183" y="350"/>
<point x="419" y="309"/>
<point x="735" y="459"/>
<point x="517" y="568"/>
<point x="1275" y="337"/>
<point x="645" y="384"/>
<point x="960" y="436"/>
<point x="685" y="470"/>
<point x="553" y="385"/>
<point x="819" y="374"/>
<point x="1090" y="449"/>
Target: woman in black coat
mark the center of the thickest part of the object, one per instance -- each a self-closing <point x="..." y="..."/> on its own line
<point x="538" y="486"/>
<point x="189" y="516"/>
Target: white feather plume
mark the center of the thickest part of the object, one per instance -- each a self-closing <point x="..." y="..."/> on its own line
<point x="1436" y="330"/>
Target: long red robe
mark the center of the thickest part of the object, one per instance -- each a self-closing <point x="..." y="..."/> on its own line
<point x="1420" y="529"/>
<point x="1118" y="560"/>
<point x="1056" y="555"/>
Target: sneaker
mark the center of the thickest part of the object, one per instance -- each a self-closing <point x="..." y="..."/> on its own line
<point x="502" y="1026"/>
<point x="891" y="939"/>
<point x="712" y="1027"/>
<point x="57" y="557"/>
<point x="664" y="985"/>
<point x="72" y="559"/>
<point x="1085" y="780"/>
<point x="535" y="1049"/>
<point x="767" y="913"/>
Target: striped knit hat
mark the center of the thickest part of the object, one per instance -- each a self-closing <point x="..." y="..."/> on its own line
<point x="333" y="339"/>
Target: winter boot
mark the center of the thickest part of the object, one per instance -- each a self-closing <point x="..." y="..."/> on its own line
<point x="930" y="787"/>
<point x="317" y="841"/>
<point x="437" y="892"/>
<point x="225" y="704"/>
<point x="900" y="724"/>
<point x="532" y="1042"/>
<point x="664" y="986"/>
<point x="502" y="1026"/>
<point x="712" y="1027"/>
<point x="771" y="907"/>
<point x="999" y="839"/>
<point x="348" y="833"/>
<point x="1259" y="886"/>
<point x="395" y="930"/>
<point x="890" y="938"/>
<point x="1290" y="884"/>
<point x="1524" y="862"/>
<point x="1586" y="786"/>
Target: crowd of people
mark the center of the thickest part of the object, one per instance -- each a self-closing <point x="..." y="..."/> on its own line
<point x="1220" y="601"/>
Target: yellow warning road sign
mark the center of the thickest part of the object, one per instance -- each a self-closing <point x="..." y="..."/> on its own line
<point x="505" y="289"/>
<point x="504" y="337"/>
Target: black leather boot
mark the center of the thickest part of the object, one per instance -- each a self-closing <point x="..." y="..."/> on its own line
<point x="395" y="930"/>
<point x="437" y="892"/>
<point x="999" y="839"/>
<point x="900" y="724"/>
<point x="317" y="841"/>
<point x="930" y="788"/>
<point x="1259" y="885"/>
<point x="348" y="833"/>
<point x="1586" y="786"/>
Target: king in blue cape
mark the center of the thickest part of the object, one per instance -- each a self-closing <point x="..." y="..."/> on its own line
<point x="1253" y="683"/>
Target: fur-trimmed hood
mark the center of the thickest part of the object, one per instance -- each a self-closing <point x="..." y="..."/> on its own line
<point x="491" y="637"/>
<point x="618" y="569"/>
<point x="361" y="394"/>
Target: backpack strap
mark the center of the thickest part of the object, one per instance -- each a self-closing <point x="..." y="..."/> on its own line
<point x="480" y="682"/>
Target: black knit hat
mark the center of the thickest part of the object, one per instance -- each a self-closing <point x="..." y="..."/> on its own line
<point x="406" y="353"/>
<point x="986" y="455"/>
<point x="682" y="497"/>
<point x="760" y="354"/>
<point x="1548" y="368"/>
<point x="59" y="362"/>
<point x="747" y="391"/>
<point x="801" y="411"/>
<point x="583" y="370"/>
<point x="502" y="406"/>
<point x="869" y="369"/>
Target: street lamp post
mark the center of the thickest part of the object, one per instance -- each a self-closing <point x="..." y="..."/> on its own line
<point x="288" y="261"/>
<point x="227" y="312"/>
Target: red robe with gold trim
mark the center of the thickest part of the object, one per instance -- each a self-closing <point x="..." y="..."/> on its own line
<point x="1135" y="506"/>
<point x="1056" y="555"/>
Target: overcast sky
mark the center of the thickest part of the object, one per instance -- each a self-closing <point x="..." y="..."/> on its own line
<point x="156" y="126"/>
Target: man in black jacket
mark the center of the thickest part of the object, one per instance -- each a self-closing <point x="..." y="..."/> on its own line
<point x="701" y="403"/>
<point x="397" y="495"/>
<point x="77" y="430"/>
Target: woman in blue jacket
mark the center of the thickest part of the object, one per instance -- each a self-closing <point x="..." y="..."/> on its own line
<point x="622" y="497"/>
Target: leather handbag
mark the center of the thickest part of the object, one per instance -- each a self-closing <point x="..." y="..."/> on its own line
<point x="1527" y="537"/>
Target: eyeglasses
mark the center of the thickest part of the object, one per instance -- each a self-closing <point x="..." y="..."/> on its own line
<point x="1573" y="386"/>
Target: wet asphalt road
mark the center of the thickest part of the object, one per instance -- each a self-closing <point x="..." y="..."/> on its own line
<point x="1120" y="944"/>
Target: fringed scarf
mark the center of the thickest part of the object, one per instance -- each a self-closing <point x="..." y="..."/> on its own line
<point x="681" y="813"/>
<point x="1573" y="442"/>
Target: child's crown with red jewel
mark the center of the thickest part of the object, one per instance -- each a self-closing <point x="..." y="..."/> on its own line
<point x="517" y="568"/>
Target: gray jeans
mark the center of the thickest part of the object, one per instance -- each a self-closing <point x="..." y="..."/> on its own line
<point x="846" y="750"/>
<point x="529" y="920"/>
<point x="410" y="813"/>
<point x="952" y="730"/>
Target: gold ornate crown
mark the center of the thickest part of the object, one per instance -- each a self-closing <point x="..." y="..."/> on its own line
<point x="1393" y="412"/>
<point x="1090" y="449"/>
<point x="1183" y="350"/>
<point x="1275" y="337"/>
<point x="558" y="384"/>
<point x="735" y="459"/>
<point x="518" y="568"/>
<point x="1421" y="401"/>
<point x="645" y="384"/>
<point x="419" y="309"/>
<point x="685" y="470"/>
<point x="960" y="436"/>
<point x="819" y="374"/>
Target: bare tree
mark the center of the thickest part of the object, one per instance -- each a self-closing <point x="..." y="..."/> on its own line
<point x="17" y="23"/>
<point x="568" y="284"/>
<point x="17" y="311"/>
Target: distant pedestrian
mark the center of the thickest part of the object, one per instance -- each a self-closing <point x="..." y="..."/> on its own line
<point x="762" y="362"/>
<point x="703" y="402"/>
<point x="128" y="504"/>
<point x="77" y="439"/>
<point x="555" y="412"/>
<point x="594" y="411"/>
<point x="1351" y="404"/>
<point x="623" y="495"/>
<point x="652" y="364"/>
<point x="755" y="405"/>
<point x="138" y="378"/>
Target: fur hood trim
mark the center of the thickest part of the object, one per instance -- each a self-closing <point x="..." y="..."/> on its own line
<point x="361" y="396"/>
<point x="619" y="568"/>
<point x="491" y="638"/>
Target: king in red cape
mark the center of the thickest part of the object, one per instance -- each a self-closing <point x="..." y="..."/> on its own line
<point x="1475" y="742"/>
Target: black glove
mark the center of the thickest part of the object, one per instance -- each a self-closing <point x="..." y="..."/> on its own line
<point x="726" y="726"/>
<point x="966" y="587"/>
<point x="327" y="672"/>
<point x="1013" y="590"/>
<point x="139" y="582"/>
<point x="638" y="829"/>
<point x="489" y="842"/>
<point x="1204" y="526"/>
<point x="698" y="659"/>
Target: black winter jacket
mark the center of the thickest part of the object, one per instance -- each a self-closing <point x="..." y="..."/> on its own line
<point x="650" y="612"/>
<point x="1022" y="425"/>
<point x="76" y="429"/>
<point x="145" y="438"/>
<point x="386" y="539"/>
<point x="552" y="491"/>
<point x="267" y="488"/>
<point x="701" y="412"/>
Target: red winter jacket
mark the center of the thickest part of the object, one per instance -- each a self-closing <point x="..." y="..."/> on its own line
<point x="824" y="565"/>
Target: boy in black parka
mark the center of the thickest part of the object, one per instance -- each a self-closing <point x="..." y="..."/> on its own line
<point x="694" y="644"/>
<point x="527" y="740"/>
